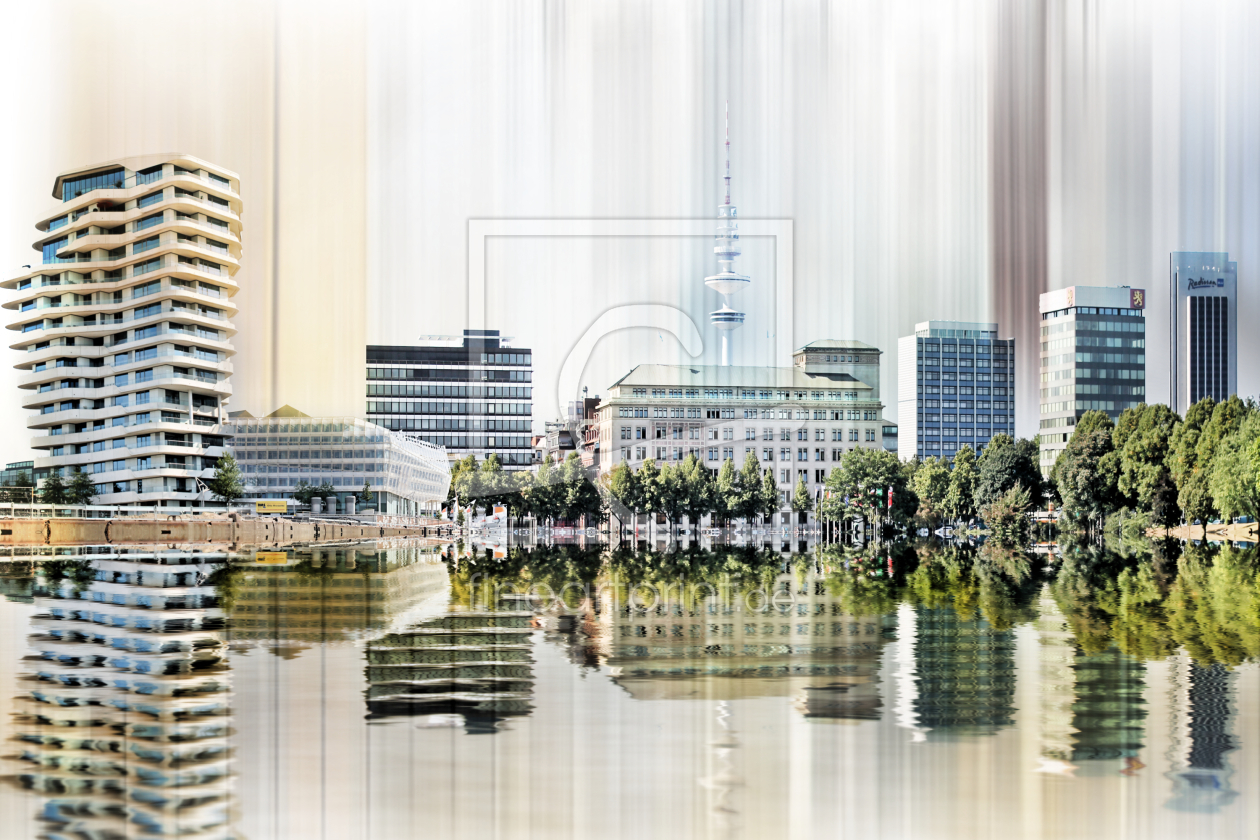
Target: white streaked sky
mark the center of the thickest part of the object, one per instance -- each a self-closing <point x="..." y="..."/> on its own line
<point x="367" y="136"/>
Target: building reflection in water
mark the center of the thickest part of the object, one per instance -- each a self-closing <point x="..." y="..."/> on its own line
<point x="795" y="640"/>
<point x="1093" y="707"/>
<point x="288" y="601"/>
<point x="474" y="668"/>
<point x="1202" y="709"/>
<point x="127" y="722"/>
<point x="956" y="676"/>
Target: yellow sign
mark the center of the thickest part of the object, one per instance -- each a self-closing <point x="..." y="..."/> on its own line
<point x="271" y="506"/>
<point x="278" y="558"/>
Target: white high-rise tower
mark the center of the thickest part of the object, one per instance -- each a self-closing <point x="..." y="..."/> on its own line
<point x="727" y="282"/>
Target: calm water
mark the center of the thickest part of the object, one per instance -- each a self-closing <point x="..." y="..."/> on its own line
<point x="394" y="691"/>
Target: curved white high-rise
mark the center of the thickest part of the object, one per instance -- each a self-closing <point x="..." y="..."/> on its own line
<point x="727" y="282"/>
<point x="125" y="329"/>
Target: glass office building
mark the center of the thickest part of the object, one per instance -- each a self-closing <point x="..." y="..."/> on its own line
<point x="956" y="387"/>
<point x="471" y="395"/>
<point x="1093" y="358"/>
<point x="1203" y="321"/>
<point x="407" y="476"/>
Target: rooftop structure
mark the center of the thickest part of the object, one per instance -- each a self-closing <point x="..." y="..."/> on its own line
<point x="125" y="326"/>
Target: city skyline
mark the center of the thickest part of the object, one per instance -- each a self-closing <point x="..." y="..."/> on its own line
<point x="876" y="226"/>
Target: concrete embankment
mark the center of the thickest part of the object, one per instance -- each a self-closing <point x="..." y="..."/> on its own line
<point x="1238" y="532"/>
<point x="175" y="529"/>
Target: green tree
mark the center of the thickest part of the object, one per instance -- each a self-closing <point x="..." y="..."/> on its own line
<point x="769" y="495"/>
<point x="460" y="476"/>
<point x="81" y="490"/>
<point x="1004" y="464"/>
<point x="54" y="490"/>
<point x="580" y="498"/>
<point x="931" y="485"/>
<point x="1231" y="477"/>
<point x="1088" y="474"/>
<point x="366" y="494"/>
<point x="697" y="489"/>
<point x="1165" y="512"/>
<point x="670" y="493"/>
<point x="860" y="484"/>
<point x="623" y="486"/>
<point x="726" y="491"/>
<point x="227" y="484"/>
<point x="1183" y="445"/>
<point x="802" y="501"/>
<point x="304" y="492"/>
<point x="649" y="483"/>
<point x="749" y="484"/>
<point x="960" y="498"/>
<point x="1007" y="518"/>
<point x="1142" y="437"/>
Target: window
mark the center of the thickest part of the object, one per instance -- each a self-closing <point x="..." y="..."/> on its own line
<point x="72" y="188"/>
<point x="767" y="454"/>
<point x="820" y="434"/>
<point x="728" y="433"/>
<point x="802" y="434"/>
<point x="712" y="454"/>
<point x="149" y="221"/>
<point x="802" y="454"/>
<point x="625" y="433"/>
<point x="870" y="435"/>
<point x="837" y="454"/>
<point x="820" y="454"/>
<point x="150" y="199"/>
<point x="785" y="454"/>
<point x="785" y="475"/>
<point x="728" y="453"/>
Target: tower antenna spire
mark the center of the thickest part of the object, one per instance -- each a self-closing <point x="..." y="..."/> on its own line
<point x="728" y="151"/>
<point x="727" y="282"/>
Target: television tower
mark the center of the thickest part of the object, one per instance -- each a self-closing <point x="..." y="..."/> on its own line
<point x="726" y="282"/>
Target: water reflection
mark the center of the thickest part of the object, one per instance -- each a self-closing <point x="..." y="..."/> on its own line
<point x="127" y="724"/>
<point x="1122" y="664"/>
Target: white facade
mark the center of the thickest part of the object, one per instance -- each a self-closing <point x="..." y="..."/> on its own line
<point x="797" y="420"/>
<point x="955" y="388"/>
<point x="125" y="326"/>
<point x="407" y="475"/>
<point x="1203" y="321"/>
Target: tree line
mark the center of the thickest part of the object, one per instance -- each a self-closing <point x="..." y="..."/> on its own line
<point x="1200" y="467"/>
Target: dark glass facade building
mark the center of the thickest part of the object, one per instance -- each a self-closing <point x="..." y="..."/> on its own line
<point x="473" y="397"/>
<point x="1203" y="323"/>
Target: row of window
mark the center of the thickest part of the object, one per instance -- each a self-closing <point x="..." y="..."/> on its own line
<point x="727" y="453"/>
<point x="1094" y="358"/>
<point x="961" y="432"/>
<point x="1092" y="341"/>
<point x="728" y="433"/>
<point x="464" y="391"/>
<point x="450" y="374"/>
<point x="1084" y="388"/>
<point x="433" y="407"/>
<point x="963" y="363"/>
<point x="964" y="348"/>
<point x="1093" y="310"/>
<point x="933" y="376"/>
<point x="661" y="413"/>
<point x="1138" y="326"/>
<point x="742" y="394"/>
<point x="999" y="419"/>
<point x="452" y="424"/>
<point x="1087" y="405"/>
<point x="961" y="391"/>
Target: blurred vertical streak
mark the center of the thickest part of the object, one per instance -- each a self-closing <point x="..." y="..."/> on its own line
<point x="1018" y="130"/>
